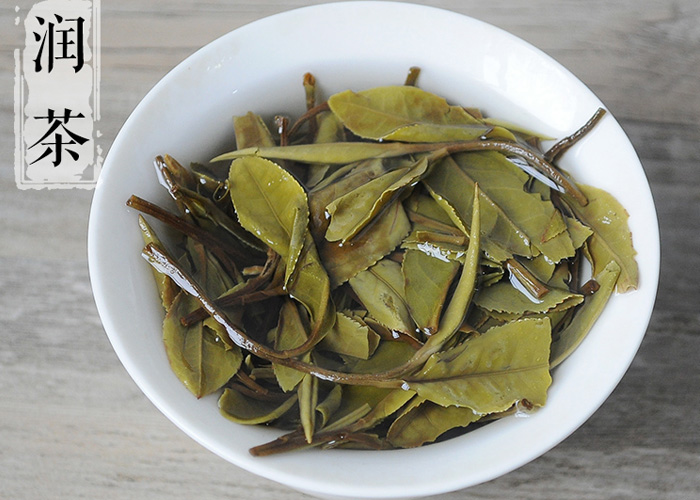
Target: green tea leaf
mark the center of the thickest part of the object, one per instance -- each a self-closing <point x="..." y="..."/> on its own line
<point x="423" y="422"/>
<point x="578" y="232"/>
<point x="344" y="180"/>
<point x="611" y="238"/>
<point x="357" y="401"/>
<point x="387" y="406"/>
<point x="350" y="337"/>
<point x="490" y="372"/>
<point x="381" y="290"/>
<point x="404" y="113"/>
<point x="246" y="410"/>
<point x="433" y="247"/>
<point x="344" y="261"/>
<point x="388" y="355"/>
<point x="569" y="339"/>
<point x="308" y="398"/>
<point x="329" y="129"/>
<point x="427" y="280"/>
<point x="434" y="232"/>
<point x="503" y="297"/>
<point x="297" y="241"/>
<point x="251" y="131"/>
<point x="311" y="286"/>
<point x="199" y="358"/>
<point x="454" y="315"/>
<point x="288" y="334"/>
<point x="166" y="287"/>
<point x="206" y="269"/>
<point x="270" y="204"/>
<point x="541" y="267"/>
<point x="426" y="213"/>
<point x="369" y="405"/>
<point x="215" y="220"/>
<point x="334" y="153"/>
<point x="330" y="404"/>
<point x="514" y="220"/>
<point x="354" y="210"/>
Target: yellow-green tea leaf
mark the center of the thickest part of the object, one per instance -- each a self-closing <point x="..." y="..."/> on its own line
<point x="354" y="210"/>
<point x="611" y="238"/>
<point x="423" y="422"/>
<point x="288" y="334"/>
<point x="344" y="261"/>
<point x="199" y="358"/>
<point x="404" y="113"/>
<point x="514" y="221"/>
<point x="350" y="337"/>
<point x="490" y="372"/>
<point x="381" y="290"/>
<point x="307" y="394"/>
<point x="427" y="280"/>
<point x="251" y="131"/>
<point x="269" y="203"/>
<point x="570" y="337"/>
<point x="246" y="410"/>
<point x="166" y="288"/>
<point x="503" y="297"/>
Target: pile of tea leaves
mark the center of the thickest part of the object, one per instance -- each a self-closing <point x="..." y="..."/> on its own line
<point x="384" y="270"/>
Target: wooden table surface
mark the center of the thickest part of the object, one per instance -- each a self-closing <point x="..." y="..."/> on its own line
<point x="73" y="425"/>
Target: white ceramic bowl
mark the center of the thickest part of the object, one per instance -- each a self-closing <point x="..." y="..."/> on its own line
<point x="357" y="45"/>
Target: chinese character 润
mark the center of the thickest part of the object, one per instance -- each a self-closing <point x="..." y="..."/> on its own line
<point x="60" y="42"/>
<point x="57" y="125"/>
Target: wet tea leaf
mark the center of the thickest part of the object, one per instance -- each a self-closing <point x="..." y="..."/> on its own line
<point x="388" y="355"/>
<point x="343" y="181"/>
<point x="381" y="290"/>
<point x="503" y="297"/>
<point x="330" y="404"/>
<point x="427" y="280"/>
<point x="288" y="334"/>
<point x="334" y="153"/>
<point x="611" y="238"/>
<point x="329" y="129"/>
<point x="513" y="220"/>
<point x="423" y="422"/>
<point x="199" y="358"/>
<point x="350" y="337"/>
<point x="166" y="288"/>
<point x="490" y="372"/>
<point x="251" y="131"/>
<point x="368" y="406"/>
<point x="344" y="261"/>
<point x="354" y="210"/>
<point x="246" y="410"/>
<point x="308" y="397"/>
<point x="270" y="204"/>
<point x="311" y="286"/>
<point x="568" y="339"/>
<point x="404" y="113"/>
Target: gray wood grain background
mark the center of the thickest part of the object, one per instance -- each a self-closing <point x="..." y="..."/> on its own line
<point x="72" y="423"/>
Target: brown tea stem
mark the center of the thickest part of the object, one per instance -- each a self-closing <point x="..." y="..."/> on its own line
<point x="564" y="144"/>
<point x="164" y="264"/>
<point x="308" y="115"/>
<point x="218" y="248"/>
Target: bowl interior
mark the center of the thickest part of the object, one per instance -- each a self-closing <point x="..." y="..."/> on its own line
<point x="357" y="45"/>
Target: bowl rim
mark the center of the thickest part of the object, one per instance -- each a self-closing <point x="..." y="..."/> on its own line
<point x="277" y="468"/>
